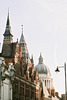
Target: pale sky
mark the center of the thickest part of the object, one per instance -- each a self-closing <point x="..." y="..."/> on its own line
<point x="45" y="30"/>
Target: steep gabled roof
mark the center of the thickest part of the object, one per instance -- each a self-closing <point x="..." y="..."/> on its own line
<point x="8" y="50"/>
<point x="8" y="28"/>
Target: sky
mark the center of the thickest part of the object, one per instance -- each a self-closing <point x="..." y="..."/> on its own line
<point x="44" y="28"/>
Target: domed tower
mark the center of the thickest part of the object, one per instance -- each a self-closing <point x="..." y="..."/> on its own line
<point x="44" y="74"/>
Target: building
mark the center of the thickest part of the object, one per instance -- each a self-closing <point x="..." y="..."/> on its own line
<point x="46" y="81"/>
<point x="18" y="79"/>
<point x="6" y="80"/>
<point x="10" y="50"/>
<point x="25" y="84"/>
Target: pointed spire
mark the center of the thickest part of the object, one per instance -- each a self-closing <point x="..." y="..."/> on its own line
<point x="8" y="34"/>
<point x="22" y="29"/>
<point x="8" y="28"/>
<point x="8" y="21"/>
<point x="8" y="9"/>
<point x="32" y="61"/>
<point x="17" y="40"/>
<point x="23" y="44"/>
<point x="22" y="40"/>
<point x="40" y="59"/>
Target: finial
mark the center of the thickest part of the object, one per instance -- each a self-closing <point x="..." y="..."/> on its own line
<point x="32" y="56"/>
<point x="22" y="28"/>
<point x="40" y="54"/>
<point x="8" y="10"/>
<point x="40" y="59"/>
<point x="17" y="40"/>
<point x="32" y="61"/>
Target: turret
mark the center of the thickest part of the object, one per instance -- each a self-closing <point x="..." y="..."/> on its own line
<point x="25" y="54"/>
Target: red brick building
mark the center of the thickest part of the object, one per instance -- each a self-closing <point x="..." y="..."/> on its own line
<point x="25" y="85"/>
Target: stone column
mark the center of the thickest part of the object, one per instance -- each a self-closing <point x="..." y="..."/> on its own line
<point x="46" y="84"/>
<point x="10" y="91"/>
<point x="50" y="84"/>
<point x="2" y="97"/>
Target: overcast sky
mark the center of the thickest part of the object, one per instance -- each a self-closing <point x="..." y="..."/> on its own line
<point x="45" y="30"/>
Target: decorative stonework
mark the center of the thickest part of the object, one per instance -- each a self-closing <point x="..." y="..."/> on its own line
<point x="6" y="80"/>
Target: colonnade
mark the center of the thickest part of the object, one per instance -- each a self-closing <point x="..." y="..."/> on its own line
<point x="47" y="83"/>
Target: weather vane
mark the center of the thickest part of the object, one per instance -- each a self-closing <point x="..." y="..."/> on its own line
<point x="22" y="28"/>
<point x="8" y="10"/>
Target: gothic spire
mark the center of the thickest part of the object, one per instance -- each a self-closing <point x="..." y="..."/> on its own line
<point x="32" y="61"/>
<point x="22" y="40"/>
<point x="23" y="44"/>
<point x="8" y="34"/>
<point x="8" y="22"/>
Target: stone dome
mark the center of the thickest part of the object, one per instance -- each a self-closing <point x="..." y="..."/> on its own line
<point x="42" y="69"/>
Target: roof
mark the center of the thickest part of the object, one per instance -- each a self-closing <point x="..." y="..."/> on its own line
<point x="42" y="69"/>
<point x="25" y="53"/>
<point x="8" y="50"/>
<point x="8" y="28"/>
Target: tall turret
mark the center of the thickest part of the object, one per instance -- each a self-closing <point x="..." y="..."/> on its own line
<point x="8" y="37"/>
<point x="25" y="54"/>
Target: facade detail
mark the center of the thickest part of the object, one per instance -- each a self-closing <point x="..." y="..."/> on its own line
<point x="25" y="84"/>
<point x="6" y="80"/>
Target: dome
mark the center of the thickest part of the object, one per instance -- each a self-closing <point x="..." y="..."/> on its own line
<point x="42" y="69"/>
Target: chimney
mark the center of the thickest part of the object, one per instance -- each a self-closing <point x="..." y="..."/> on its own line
<point x="63" y="96"/>
<point x="57" y="94"/>
<point x="53" y="92"/>
<point x="49" y="91"/>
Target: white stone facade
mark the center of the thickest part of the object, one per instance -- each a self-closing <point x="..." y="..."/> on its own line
<point x="6" y="79"/>
<point x="45" y="80"/>
<point x="44" y="74"/>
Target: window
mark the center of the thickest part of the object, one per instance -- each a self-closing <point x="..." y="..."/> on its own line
<point x="32" y="92"/>
<point x="22" y="88"/>
<point x="27" y="91"/>
<point x="16" y="87"/>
